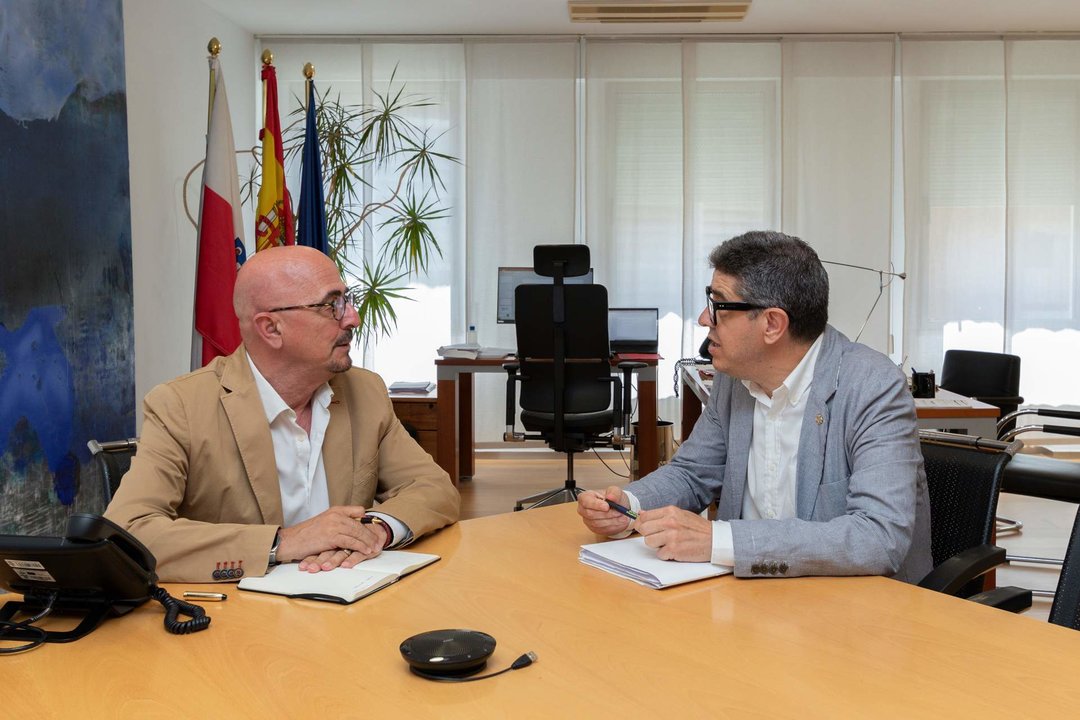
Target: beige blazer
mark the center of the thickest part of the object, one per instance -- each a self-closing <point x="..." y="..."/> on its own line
<point x="202" y="492"/>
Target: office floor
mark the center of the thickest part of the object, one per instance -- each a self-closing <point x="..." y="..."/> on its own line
<point x="502" y="478"/>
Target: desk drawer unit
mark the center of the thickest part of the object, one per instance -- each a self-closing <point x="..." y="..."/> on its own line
<point x="419" y="417"/>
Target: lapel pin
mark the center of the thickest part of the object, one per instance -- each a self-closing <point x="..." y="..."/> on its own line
<point x="818" y="419"/>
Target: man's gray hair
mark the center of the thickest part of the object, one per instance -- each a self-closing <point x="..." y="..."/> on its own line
<point x="778" y="270"/>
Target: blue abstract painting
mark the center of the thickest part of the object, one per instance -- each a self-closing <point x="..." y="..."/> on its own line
<point x="66" y="338"/>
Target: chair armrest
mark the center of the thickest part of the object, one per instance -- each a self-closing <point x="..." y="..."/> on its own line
<point x="1053" y="412"/>
<point x="1008" y="598"/>
<point x="957" y="571"/>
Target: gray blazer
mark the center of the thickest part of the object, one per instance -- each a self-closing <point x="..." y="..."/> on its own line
<point x="862" y="506"/>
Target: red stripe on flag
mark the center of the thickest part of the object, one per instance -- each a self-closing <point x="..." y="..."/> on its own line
<point x="214" y="316"/>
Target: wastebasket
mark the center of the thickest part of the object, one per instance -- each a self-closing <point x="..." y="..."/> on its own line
<point x="665" y="446"/>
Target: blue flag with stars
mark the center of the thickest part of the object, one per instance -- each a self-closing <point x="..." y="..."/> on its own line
<point x="311" y="214"/>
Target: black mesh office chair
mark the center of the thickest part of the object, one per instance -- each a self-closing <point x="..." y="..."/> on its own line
<point x="113" y="459"/>
<point x="568" y="396"/>
<point x="1065" y="610"/>
<point x="1007" y="431"/>
<point x="964" y="476"/>
<point x="992" y="378"/>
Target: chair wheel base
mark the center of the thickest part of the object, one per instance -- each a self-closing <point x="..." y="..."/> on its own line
<point x="548" y="498"/>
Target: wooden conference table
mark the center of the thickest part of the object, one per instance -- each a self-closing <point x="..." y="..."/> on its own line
<point x="608" y="648"/>
<point x="455" y="411"/>
<point x="948" y="411"/>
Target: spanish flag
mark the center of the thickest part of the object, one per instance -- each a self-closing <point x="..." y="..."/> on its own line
<point x="273" y="216"/>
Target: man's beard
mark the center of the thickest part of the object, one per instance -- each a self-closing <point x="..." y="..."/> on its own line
<point x="346" y="340"/>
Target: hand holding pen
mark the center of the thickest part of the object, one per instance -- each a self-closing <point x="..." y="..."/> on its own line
<point x="606" y="513"/>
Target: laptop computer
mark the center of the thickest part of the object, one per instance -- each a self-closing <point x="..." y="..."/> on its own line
<point x="633" y="330"/>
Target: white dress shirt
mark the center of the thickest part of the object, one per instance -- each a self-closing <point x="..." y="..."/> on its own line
<point x="297" y="454"/>
<point x="299" y="459"/>
<point x="774" y="452"/>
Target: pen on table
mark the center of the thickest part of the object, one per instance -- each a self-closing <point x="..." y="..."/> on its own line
<point x="620" y="509"/>
<point x="211" y="596"/>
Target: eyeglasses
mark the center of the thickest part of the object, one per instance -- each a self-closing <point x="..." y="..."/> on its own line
<point x="714" y="305"/>
<point x="337" y="305"/>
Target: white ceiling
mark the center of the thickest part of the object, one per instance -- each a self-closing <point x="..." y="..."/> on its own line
<point x="543" y="17"/>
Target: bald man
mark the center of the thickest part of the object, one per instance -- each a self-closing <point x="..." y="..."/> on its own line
<point x="282" y="451"/>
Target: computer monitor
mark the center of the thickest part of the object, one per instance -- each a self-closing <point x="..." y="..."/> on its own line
<point x="633" y="329"/>
<point x="511" y="277"/>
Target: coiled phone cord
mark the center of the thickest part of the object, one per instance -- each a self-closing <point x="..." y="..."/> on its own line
<point x="173" y="607"/>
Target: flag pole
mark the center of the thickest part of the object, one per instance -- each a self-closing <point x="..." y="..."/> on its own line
<point x="214" y="48"/>
<point x="309" y="75"/>
<point x="267" y="59"/>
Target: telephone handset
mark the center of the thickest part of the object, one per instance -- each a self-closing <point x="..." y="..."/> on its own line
<point x="703" y="357"/>
<point x="85" y="529"/>
<point x="97" y="569"/>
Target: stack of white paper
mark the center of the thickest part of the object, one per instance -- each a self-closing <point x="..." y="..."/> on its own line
<point x="406" y="386"/>
<point x="461" y="350"/>
<point x="631" y="559"/>
<point x="496" y="352"/>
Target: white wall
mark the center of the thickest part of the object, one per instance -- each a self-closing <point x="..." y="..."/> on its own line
<point x="167" y="82"/>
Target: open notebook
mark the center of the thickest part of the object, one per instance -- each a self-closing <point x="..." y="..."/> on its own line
<point x="341" y="585"/>
<point x="631" y="559"/>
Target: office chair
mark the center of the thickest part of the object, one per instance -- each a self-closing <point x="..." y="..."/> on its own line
<point x="1065" y="610"/>
<point x="1007" y="431"/>
<point x="992" y="378"/>
<point x="113" y="458"/>
<point x="568" y="396"/>
<point x="963" y="476"/>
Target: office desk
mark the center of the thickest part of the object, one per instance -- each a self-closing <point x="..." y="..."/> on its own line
<point x="455" y="390"/>
<point x="948" y="411"/>
<point x="608" y="648"/>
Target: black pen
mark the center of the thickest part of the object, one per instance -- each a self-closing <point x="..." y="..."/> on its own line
<point x="620" y="509"/>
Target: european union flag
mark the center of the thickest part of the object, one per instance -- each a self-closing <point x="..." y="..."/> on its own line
<point x="311" y="221"/>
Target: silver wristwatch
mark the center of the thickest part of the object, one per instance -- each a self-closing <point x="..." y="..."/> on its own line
<point x="273" y="549"/>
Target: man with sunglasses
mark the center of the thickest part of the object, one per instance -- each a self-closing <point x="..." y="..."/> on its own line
<point x="278" y="452"/>
<point x="808" y="444"/>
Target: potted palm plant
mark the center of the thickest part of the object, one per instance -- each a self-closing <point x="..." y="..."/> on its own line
<point x="358" y="144"/>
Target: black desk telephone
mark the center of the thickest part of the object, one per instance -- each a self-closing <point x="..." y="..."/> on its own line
<point x="97" y="570"/>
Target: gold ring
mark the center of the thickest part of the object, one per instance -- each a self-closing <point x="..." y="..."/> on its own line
<point x="346" y="551"/>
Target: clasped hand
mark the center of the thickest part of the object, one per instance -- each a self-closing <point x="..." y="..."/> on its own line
<point x="674" y="533"/>
<point x="334" y="538"/>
